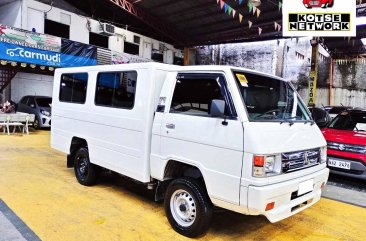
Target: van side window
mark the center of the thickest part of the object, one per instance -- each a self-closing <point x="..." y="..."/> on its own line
<point x="73" y="88"/>
<point x="194" y="93"/>
<point x="116" y="89"/>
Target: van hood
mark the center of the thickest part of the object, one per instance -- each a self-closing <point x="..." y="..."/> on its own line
<point x="275" y="138"/>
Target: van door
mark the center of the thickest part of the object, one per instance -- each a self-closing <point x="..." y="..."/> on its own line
<point x="189" y="134"/>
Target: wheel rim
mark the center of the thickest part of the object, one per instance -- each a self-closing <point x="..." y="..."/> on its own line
<point x="183" y="208"/>
<point x="82" y="166"/>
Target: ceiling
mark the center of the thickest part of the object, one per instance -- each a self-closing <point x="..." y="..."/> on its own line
<point x="188" y="22"/>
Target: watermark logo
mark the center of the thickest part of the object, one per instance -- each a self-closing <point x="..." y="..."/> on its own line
<point x="319" y="18"/>
<point x="28" y="54"/>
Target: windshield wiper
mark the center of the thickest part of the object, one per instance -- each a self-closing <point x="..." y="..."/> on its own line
<point x="288" y="120"/>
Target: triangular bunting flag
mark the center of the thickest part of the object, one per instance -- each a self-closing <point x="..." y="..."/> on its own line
<point x="230" y="9"/>
<point x="250" y="24"/>
<point x="217" y="1"/>
<point x="279" y="27"/>
<point x="279" y="6"/>
<point x="258" y="12"/>
<point x="222" y="3"/>
<point x="275" y="25"/>
<point x="254" y="9"/>
<point x="250" y="6"/>
<point x="240" y="17"/>
<point x="226" y="7"/>
<point x="259" y="31"/>
<point x="234" y="12"/>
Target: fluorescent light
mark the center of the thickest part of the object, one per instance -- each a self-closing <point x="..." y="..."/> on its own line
<point x="363" y="41"/>
<point x="361" y="21"/>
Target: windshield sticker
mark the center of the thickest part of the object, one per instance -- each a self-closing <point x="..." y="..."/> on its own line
<point x="242" y="79"/>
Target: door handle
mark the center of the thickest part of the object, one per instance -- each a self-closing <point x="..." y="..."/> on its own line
<point x="170" y="126"/>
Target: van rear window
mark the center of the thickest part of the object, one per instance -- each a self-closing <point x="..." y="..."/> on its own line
<point x="116" y="89"/>
<point x="73" y="87"/>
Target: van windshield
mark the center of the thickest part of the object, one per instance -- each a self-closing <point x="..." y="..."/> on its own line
<point x="269" y="99"/>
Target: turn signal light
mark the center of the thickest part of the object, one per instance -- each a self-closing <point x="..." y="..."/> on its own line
<point x="270" y="206"/>
<point x="258" y="161"/>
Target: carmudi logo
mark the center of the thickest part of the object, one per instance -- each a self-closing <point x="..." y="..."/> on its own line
<point x="318" y="3"/>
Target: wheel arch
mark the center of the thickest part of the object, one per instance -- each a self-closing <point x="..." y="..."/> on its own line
<point x="75" y="144"/>
<point x="175" y="169"/>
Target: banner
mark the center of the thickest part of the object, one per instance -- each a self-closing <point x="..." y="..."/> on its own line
<point x="124" y="58"/>
<point x="29" y="39"/>
<point x="12" y="52"/>
<point x="70" y="47"/>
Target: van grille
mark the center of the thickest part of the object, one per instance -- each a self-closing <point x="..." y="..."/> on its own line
<point x="293" y="161"/>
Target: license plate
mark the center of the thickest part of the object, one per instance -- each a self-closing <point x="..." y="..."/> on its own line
<point x="339" y="164"/>
<point x="305" y="187"/>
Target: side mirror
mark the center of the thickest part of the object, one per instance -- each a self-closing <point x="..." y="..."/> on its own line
<point x="321" y="117"/>
<point x="217" y="108"/>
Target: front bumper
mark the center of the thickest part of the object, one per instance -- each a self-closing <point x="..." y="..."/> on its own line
<point x="44" y="121"/>
<point x="358" y="168"/>
<point x="284" y="195"/>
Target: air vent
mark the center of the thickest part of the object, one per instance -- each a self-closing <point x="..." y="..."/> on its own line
<point x="104" y="56"/>
<point x="136" y="39"/>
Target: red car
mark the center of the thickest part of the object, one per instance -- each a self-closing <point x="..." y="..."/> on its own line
<point x="318" y="3"/>
<point x="346" y="138"/>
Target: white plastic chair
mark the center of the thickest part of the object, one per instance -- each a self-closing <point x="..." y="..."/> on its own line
<point x="15" y="120"/>
<point x="28" y="119"/>
<point x="3" y="121"/>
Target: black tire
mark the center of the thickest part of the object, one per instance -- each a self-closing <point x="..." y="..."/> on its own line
<point x="36" y="123"/>
<point x="194" y="205"/>
<point x="86" y="173"/>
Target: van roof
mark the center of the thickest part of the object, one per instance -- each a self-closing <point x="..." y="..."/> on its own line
<point x="167" y="67"/>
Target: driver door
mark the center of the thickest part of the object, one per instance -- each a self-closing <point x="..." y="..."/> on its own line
<point x="190" y="135"/>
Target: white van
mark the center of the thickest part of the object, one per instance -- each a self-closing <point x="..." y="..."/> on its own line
<point x="202" y="136"/>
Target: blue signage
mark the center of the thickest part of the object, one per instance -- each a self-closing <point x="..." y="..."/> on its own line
<point x="12" y="52"/>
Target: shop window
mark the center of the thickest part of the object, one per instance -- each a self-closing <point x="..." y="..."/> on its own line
<point x="73" y="88"/>
<point x="98" y="40"/>
<point x="131" y="48"/>
<point x="116" y="89"/>
<point x="56" y="29"/>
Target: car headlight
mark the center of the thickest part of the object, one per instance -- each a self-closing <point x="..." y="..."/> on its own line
<point x="46" y="113"/>
<point x="323" y="154"/>
<point x="266" y="165"/>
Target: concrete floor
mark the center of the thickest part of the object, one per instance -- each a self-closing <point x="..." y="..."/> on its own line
<point x="37" y="186"/>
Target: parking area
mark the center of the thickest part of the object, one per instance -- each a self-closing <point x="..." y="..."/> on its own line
<point x="38" y="188"/>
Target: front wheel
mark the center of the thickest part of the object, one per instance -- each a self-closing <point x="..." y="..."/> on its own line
<point x="86" y="173"/>
<point x="188" y="208"/>
<point x="36" y="123"/>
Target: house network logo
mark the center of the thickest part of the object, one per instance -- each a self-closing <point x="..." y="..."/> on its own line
<point x="319" y="22"/>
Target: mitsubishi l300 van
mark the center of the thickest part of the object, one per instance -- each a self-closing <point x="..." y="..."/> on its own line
<point x="200" y="136"/>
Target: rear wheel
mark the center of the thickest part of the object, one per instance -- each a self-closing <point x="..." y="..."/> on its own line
<point x="188" y="208"/>
<point x="86" y="173"/>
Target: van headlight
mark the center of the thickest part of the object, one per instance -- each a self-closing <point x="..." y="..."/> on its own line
<point x="323" y="154"/>
<point x="266" y="165"/>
